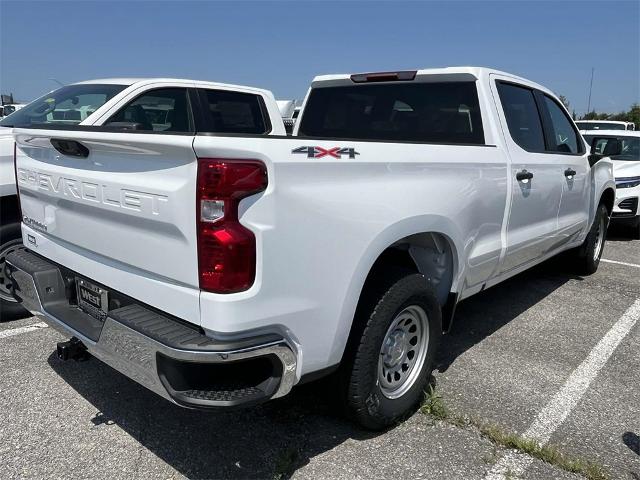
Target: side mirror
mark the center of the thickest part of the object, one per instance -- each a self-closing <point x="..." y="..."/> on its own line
<point x="604" y="147"/>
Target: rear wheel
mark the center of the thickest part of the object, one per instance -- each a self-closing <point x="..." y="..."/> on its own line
<point x="10" y="240"/>
<point x="587" y="256"/>
<point x="387" y="369"/>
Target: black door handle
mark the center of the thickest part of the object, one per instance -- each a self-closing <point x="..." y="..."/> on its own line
<point x="524" y="175"/>
<point x="569" y="172"/>
<point x="70" y="147"/>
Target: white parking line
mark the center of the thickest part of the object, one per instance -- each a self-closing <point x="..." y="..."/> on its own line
<point x="557" y="410"/>
<point x="620" y="263"/>
<point x="21" y="330"/>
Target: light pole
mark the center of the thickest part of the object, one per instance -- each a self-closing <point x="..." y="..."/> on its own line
<point x="590" y="88"/>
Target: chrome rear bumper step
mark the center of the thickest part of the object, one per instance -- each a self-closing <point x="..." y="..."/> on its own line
<point x="169" y="357"/>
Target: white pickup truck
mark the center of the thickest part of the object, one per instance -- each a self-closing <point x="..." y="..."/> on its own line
<point x="74" y="105"/>
<point x="219" y="262"/>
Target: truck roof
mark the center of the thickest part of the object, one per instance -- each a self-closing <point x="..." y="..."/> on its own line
<point x="470" y="71"/>
<point x="604" y="121"/>
<point x="145" y="80"/>
<point x="610" y="133"/>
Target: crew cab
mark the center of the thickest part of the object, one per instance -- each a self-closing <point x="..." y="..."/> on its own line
<point x="219" y="262"/>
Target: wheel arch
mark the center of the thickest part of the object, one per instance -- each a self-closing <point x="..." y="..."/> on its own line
<point x="426" y="245"/>
<point x="9" y="209"/>
<point x="608" y="198"/>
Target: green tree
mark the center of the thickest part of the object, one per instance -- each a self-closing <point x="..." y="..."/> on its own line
<point x="593" y="115"/>
<point x="632" y="115"/>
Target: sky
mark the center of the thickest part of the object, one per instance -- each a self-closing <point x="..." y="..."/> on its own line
<point x="282" y="45"/>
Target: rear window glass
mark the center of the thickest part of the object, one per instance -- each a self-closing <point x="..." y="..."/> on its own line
<point x="68" y="105"/>
<point x="419" y="112"/>
<point x="234" y="112"/>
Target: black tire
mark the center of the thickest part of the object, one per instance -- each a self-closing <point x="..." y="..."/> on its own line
<point x="636" y="228"/>
<point x="10" y="238"/>
<point x="585" y="258"/>
<point x="363" y="395"/>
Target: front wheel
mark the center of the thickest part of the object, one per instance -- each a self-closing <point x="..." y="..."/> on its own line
<point x="385" y="375"/>
<point x="587" y="256"/>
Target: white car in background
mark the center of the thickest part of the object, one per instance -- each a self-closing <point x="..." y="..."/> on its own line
<point x="62" y="107"/>
<point x="8" y="109"/>
<point x="586" y="125"/>
<point x="626" y="169"/>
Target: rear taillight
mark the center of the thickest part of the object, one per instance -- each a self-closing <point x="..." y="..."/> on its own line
<point x="226" y="249"/>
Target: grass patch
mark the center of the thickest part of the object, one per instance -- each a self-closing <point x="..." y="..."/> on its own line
<point x="546" y="453"/>
<point x="434" y="405"/>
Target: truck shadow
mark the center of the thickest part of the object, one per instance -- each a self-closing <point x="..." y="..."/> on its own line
<point x="488" y="311"/>
<point x="268" y="441"/>
<point x="620" y="232"/>
<point x="274" y="439"/>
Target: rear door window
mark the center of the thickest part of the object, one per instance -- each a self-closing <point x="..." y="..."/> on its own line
<point x="234" y="112"/>
<point x="159" y="110"/>
<point x="523" y="118"/>
<point x="418" y="112"/>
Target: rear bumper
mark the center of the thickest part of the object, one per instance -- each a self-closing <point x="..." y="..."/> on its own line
<point x="169" y="357"/>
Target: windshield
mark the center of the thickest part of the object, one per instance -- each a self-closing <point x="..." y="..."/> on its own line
<point x="600" y="126"/>
<point x="630" y="147"/>
<point x="68" y="105"/>
<point x="9" y="109"/>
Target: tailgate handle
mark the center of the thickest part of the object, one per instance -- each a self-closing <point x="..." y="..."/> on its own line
<point x="71" y="148"/>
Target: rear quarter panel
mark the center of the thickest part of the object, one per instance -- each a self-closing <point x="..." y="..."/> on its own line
<point x="322" y="222"/>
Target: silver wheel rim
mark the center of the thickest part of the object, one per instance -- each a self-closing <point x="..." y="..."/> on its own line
<point x="6" y="249"/>
<point x="599" y="238"/>
<point x="403" y="351"/>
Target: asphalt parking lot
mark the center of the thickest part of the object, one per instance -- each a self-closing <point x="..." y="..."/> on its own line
<point x="547" y="354"/>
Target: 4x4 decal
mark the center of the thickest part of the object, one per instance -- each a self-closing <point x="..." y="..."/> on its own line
<point x="319" y="152"/>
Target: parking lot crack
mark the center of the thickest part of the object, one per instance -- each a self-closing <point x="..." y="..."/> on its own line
<point x="522" y="450"/>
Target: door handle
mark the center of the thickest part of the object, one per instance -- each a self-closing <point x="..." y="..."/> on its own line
<point x="569" y="172"/>
<point x="524" y="175"/>
<point x="70" y="147"/>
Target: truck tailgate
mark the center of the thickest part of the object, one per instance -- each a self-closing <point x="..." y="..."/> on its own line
<point x="129" y="203"/>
